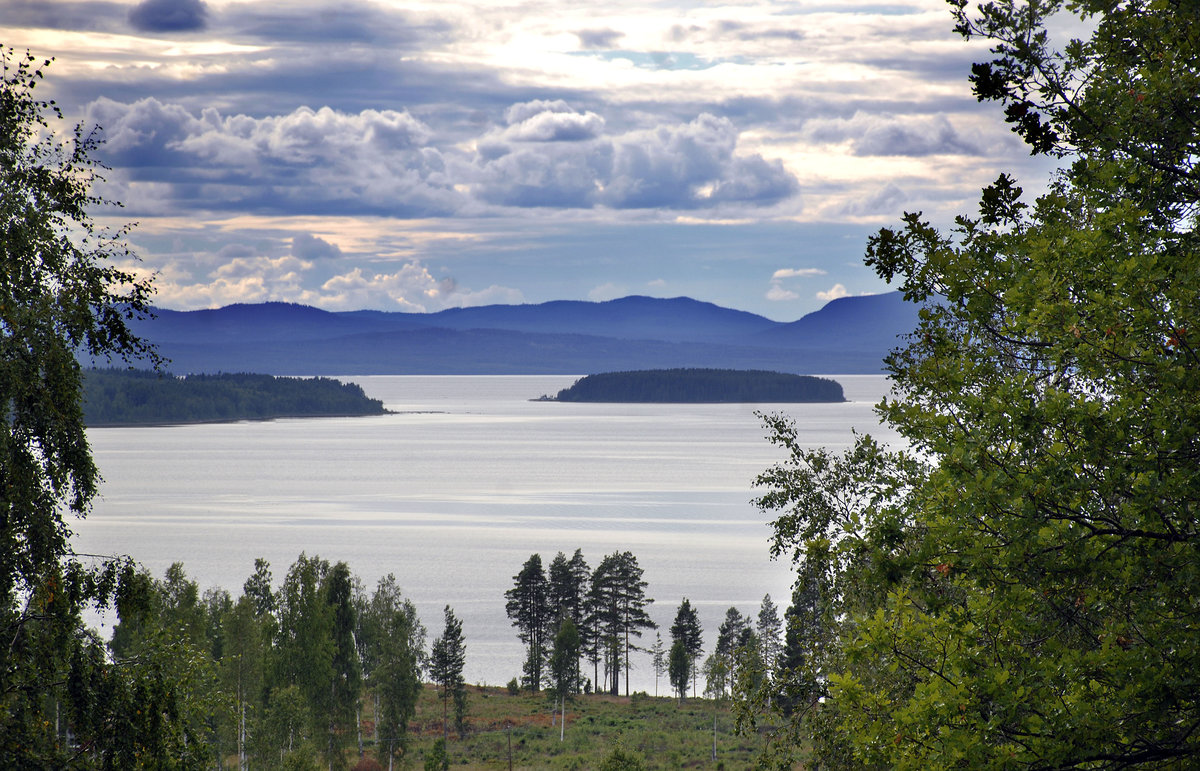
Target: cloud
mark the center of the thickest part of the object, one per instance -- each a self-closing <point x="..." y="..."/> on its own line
<point x="886" y="200"/>
<point x="886" y="135"/>
<point x="598" y="38"/>
<point x="243" y="275"/>
<point x="349" y="21"/>
<point x="306" y="161"/>
<point x="685" y="166"/>
<point x="386" y="162"/>
<point x="411" y="288"/>
<point x="835" y="292"/>
<point x="796" y="273"/>
<point x="778" y="294"/>
<point x="169" y="15"/>
<point x="309" y="247"/>
<point x="541" y="121"/>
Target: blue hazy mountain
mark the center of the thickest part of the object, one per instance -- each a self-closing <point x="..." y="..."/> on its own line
<point x="847" y="336"/>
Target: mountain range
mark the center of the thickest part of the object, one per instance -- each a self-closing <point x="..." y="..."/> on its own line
<point x="849" y="335"/>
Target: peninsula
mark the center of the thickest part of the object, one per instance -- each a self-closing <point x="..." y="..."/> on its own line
<point x="115" y="397"/>
<point x="697" y="386"/>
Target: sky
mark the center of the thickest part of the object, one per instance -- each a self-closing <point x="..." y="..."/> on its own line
<point x="416" y="156"/>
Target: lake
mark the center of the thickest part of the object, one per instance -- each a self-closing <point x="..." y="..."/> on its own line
<point x="454" y="491"/>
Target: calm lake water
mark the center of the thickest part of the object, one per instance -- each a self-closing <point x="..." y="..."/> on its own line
<point x="455" y="491"/>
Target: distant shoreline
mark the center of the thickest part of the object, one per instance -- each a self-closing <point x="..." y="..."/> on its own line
<point x="216" y="421"/>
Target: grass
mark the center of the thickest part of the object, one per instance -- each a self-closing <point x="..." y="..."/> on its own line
<point x="663" y="732"/>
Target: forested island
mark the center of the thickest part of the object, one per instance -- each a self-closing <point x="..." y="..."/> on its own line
<point x="698" y="386"/>
<point x="114" y="397"/>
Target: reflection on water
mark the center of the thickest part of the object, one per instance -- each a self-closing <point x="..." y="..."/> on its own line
<point x="457" y="489"/>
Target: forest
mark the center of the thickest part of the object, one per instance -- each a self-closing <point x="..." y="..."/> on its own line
<point x="122" y="397"/>
<point x="701" y="386"/>
<point x="320" y="668"/>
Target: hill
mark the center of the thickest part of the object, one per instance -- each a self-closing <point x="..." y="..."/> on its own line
<point x="696" y="386"/>
<point x="850" y="336"/>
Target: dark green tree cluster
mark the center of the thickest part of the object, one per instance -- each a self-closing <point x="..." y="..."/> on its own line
<point x="277" y="676"/>
<point x="1018" y="588"/>
<point x="131" y="397"/>
<point x="701" y="386"/>
<point x="606" y="607"/>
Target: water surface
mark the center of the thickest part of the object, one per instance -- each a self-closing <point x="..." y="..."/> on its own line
<point x="456" y="490"/>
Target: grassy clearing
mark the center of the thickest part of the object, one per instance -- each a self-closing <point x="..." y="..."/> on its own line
<point x="663" y="732"/>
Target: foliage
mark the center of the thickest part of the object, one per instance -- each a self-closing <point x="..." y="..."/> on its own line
<point x="392" y="640"/>
<point x="62" y="702"/>
<point x="769" y="629"/>
<point x="658" y="659"/>
<point x="446" y="663"/>
<point x="564" y="667"/>
<point x="528" y="605"/>
<point x="436" y="759"/>
<point x="564" y="659"/>
<point x="618" y="599"/>
<point x="131" y="397"/>
<point x="679" y="668"/>
<point x="1027" y="597"/>
<point x="621" y="760"/>
<point x="686" y="629"/>
<point x="701" y="386"/>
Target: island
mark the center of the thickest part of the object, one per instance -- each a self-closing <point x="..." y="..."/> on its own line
<point x="699" y="386"/>
<point x="115" y="397"/>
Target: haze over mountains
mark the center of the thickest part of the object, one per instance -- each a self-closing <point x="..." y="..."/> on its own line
<point x="850" y="335"/>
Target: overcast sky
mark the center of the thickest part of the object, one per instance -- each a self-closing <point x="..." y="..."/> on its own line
<point x="422" y="155"/>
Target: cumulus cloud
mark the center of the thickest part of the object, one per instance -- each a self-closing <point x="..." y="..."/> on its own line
<point x="876" y="134"/>
<point x="169" y="15"/>
<point x="778" y="294"/>
<point x="687" y="166"/>
<point x="306" y="161"/>
<point x="411" y="288"/>
<point x="542" y="121"/>
<point x="833" y="293"/>
<point x="243" y="275"/>
<point x="324" y="161"/>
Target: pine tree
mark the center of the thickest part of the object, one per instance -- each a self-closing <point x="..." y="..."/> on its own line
<point x="528" y="605"/>
<point x="446" y="661"/>
<point x="619" y="594"/>
<point x="686" y="631"/>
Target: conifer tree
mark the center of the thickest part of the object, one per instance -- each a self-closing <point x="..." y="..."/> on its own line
<point x="686" y="631"/>
<point x="446" y="662"/>
<point x="528" y="605"/>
